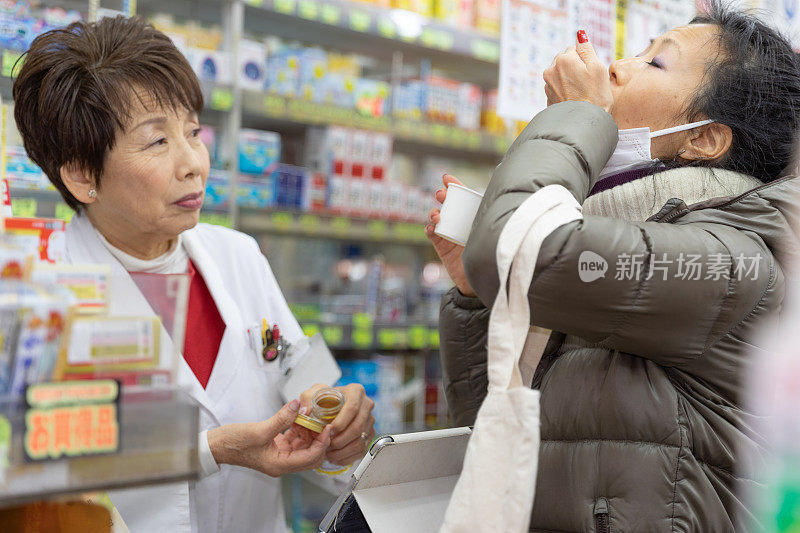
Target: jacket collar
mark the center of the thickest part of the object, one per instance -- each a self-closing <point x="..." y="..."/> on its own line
<point x="645" y="196"/>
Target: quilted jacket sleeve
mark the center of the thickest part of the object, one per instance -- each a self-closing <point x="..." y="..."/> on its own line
<point x="652" y="309"/>
<point x="463" y="326"/>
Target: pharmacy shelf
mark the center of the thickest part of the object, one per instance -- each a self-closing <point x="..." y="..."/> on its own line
<point x="158" y="444"/>
<point x="349" y="21"/>
<point x="329" y="226"/>
<point x="47" y="203"/>
<point x="419" y="134"/>
<point x="376" y="31"/>
<point x="406" y="336"/>
<point x="206" y="11"/>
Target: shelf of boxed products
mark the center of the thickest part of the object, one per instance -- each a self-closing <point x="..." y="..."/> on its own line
<point x="400" y="28"/>
<point x="29" y="203"/>
<point x="153" y="440"/>
<point x="362" y="334"/>
<point x="330" y="226"/>
<point x="419" y="133"/>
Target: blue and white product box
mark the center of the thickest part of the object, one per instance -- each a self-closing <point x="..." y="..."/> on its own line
<point x="313" y="63"/>
<point x="218" y="189"/>
<point x="338" y="190"/>
<point x="283" y="72"/>
<point x="256" y="192"/>
<point x="337" y="90"/>
<point x="382" y="378"/>
<point x="15" y="32"/>
<point x="409" y="100"/>
<point x="21" y="172"/>
<point x="252" y="70"/>
<point x="259" y="152"/>
<point x="210" y="65"/>
<point x="289" y="186"/>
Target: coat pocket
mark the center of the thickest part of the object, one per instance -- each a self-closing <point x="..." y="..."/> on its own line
<point x="602" y="520"/>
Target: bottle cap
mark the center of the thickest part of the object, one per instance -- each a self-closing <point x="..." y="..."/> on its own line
<point x="310" y="423"/>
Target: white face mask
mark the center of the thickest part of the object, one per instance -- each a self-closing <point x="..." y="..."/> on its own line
<point x="633" y="148"/>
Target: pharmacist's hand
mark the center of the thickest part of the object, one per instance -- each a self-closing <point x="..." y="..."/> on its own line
<point x="577" y="74"/>
<point x="354" y="420"/>
<point x="449" y="253"/>
<point x="274" y="446"/>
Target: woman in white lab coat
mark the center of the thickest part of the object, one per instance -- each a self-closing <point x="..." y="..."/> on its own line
<point x="109" y="110"/>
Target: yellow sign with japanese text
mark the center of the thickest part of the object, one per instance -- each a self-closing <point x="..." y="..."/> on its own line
<point x="69" y="419"/>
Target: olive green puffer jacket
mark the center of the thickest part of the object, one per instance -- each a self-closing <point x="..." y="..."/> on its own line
<point x="642" y="419"/>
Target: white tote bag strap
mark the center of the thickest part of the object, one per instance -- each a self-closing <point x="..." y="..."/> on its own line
<point x="538" y="216"/>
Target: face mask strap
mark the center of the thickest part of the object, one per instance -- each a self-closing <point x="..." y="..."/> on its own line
<point x="676" y="129"/>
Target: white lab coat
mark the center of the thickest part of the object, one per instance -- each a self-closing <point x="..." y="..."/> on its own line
<point x="242" y="388"/>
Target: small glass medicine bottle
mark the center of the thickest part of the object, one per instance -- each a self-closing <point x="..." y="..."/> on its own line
<point x="325" y="406"/>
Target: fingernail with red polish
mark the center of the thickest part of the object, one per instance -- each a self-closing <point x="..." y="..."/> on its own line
<point x="582" y="37"/>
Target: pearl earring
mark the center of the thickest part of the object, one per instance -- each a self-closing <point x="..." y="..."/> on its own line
<point x="92" y="194"/>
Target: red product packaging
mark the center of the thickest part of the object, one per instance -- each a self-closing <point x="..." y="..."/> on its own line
<point x="50" y="232"/>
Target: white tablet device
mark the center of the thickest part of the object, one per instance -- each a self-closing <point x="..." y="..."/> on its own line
<point x="403" y="484"/>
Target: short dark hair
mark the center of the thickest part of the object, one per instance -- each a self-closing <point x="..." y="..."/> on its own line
<point x="753" y="87"/>
<point x="77" y="86"/>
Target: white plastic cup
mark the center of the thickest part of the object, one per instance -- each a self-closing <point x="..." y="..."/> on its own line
<point x="458" y="211"/>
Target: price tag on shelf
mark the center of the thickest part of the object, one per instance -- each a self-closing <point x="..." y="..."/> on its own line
<point x="24" y="207"/>
<point x="434" y="340"/>
<point x="282" y="221"/>
<point x="305" y="312"/>
<point x="440" y="132"/>
<point x="64" y="212"/>
<point x="444" y="40"/>
<point x="308" y="9"/>
<point x="340" y="225"/>
<point x="5" y="446"/>
<point x="71" y="418"/>
<point x="378" y="229"/>
<point x="285" y="6"/>
<point x="362" y="320"/>
<point x="387" y="28"/>
<point x="216" y="219"/>
<point x="406" y="231"/>
<point x="485" y="50"/>
<point x="331" y="14"/>
<point x="274" y="104"/>
<point x="473" y="139"/>
<point x="309" y="223"/>
<point x="359" y="20"/>
<point x="428" y="37"/>
<point x="388" y="338"/>
<point x="309" y="330"/>
<point x="10" y="58"/>
<point x="362" y="338"/>
<point x="221" y="99"/>
<point x="418" y="337"/>
<point x="500" y="145"/>
<point x="333" y="335"/>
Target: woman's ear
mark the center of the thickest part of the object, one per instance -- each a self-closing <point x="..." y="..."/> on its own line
<point x="711" y="142"/>
<point x="78" y="182"/>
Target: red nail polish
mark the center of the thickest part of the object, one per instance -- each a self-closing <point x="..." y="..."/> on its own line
<point x="582" y="37"/>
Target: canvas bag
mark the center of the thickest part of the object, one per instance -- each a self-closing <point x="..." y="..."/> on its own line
<point x="495" y="490"/>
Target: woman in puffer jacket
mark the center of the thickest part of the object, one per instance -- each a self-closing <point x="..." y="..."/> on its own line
<point x="642" y="420"/>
